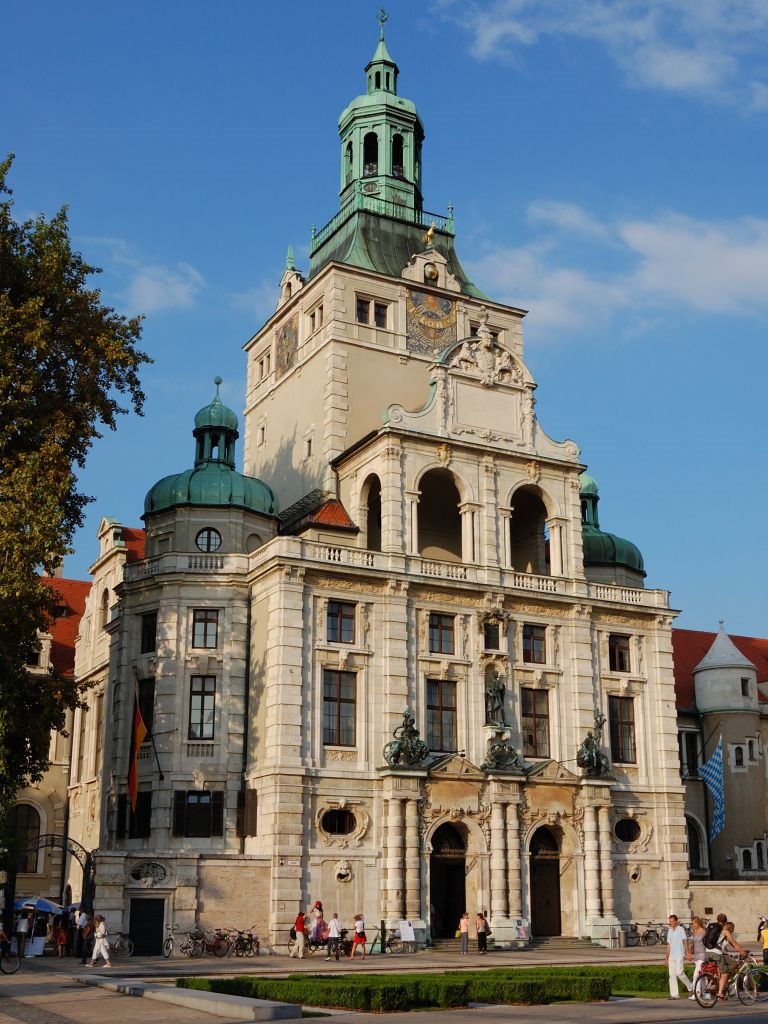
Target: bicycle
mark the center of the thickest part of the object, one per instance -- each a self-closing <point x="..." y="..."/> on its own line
<point x="216" y="942"/>
<point x="759" y="975"/>
<point x="123" y="945"/>
<point x="648" y="937"/>
<point x="392" y="944"/>
<point x="245" y="944"/>
<point x="191" y="946"/>
<point x="9" y="961"/>
<point x="742" y="983"/>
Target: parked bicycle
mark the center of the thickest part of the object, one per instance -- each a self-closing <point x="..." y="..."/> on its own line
<point x="742" y="983"/>
<point x="649" y="936"/>
<point x="123" y="945"/>
<point x="216" y="942"/>
<point x="191" y="945"/>
<point x="9" y="962"/>
<point x="244" y="944"/>
<point x="392" y="944"/>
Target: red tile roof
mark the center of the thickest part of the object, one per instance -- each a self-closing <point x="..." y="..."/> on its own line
<point x="135" y="540"/>
<point x="330" y="514"/>
<point x="690" y="645"/>
<point x="71" y="595"/>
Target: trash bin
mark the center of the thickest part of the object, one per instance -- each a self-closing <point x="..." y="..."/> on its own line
<point x="622" y="938"/>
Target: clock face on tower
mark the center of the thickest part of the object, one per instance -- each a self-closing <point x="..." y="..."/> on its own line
<point x="287" y="344"/>
<point x="430" y="321"/>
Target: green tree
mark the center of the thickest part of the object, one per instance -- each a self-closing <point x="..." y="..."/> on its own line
<point x="66" y="363"/>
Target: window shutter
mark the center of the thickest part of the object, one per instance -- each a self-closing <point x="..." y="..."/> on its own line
<point x="179" y="812"/>
<point x="251" y="812"/>
<point x="217" y="813"/>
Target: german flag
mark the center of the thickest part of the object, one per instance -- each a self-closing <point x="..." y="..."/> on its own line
<point x="138" y="735"/>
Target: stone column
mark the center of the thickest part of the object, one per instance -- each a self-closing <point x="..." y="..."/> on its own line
<point x="467" y="533"/>
<point x="606" y="862"/>
<point x="513" y="861"/>
<point x="499" y="904"/>
<point x="412" y="542"/>
<point x="591" y="863"/>
<point x="412" y="861"/>
<point x="393" y="529"/>
<point x="505" y="517"/>
<point x="395" y="858"/>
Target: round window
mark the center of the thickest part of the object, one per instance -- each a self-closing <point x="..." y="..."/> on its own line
<point x="627" y="830"/>
<point x="208" y="539"/>
<point x="338" y="823"/>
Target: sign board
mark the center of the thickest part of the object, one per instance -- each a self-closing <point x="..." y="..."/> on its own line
<point x="406" y="932"/>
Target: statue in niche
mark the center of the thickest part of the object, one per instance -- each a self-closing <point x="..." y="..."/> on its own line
<point x="494" y="699"/>
<point x="406" y="750"/>
<point x="500" y="756"/>
<point x="589" y="757"/>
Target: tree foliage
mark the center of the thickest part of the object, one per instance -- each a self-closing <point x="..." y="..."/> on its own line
<point x="69" y="366"/>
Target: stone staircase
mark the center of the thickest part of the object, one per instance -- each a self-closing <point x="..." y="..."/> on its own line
<point x="562" y="943"/>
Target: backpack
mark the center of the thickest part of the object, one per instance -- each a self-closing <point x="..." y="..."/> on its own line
<point x="712" y="935"/>
<point x="292" y="933"/>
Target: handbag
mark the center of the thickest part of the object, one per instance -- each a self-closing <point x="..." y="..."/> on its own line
<point x="292" y="932"/>
<point x="457" y="934"/>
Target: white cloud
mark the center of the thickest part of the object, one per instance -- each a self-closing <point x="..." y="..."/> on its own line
<point x="670" y="262"/>
<point x="698" y="47"/>
<point x="258" y="302"/>
<point x="157" y="287"/>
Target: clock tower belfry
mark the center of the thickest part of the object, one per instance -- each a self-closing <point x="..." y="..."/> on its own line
<point x="381" y="137"/>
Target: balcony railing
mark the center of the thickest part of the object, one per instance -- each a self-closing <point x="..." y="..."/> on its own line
<point x="384" y="208"/>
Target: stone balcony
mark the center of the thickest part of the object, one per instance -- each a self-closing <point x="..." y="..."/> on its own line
<point x="309" y="553"/>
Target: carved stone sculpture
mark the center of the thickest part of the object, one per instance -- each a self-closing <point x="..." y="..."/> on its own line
<point x="500" y="756"/>
<point x="589" y="757"/>
<point x="494" y="699"/>
<point x="406" y="750"/>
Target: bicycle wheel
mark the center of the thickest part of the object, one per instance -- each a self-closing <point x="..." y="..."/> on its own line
<point x="650" y="937"/>
<point x="632" y="938"/>
<point x="128" y="947"/>
<point x="168" y="947"/>
<point x="197" y="948"/>
<point x="9" y="962"/>
<point x="705" y="990"/>
<point x="746" y="989"/>
<point x="291" y="946"/>
<point x="220" y="947"/>
<point x="396" y="945"/>
<point x="250" y="949"/>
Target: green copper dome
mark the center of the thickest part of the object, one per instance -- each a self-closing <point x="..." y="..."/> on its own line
<point x="601" y="548"/>
<point x="214" y="481"/>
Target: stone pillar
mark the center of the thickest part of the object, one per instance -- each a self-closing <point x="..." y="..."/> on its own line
<point x="467" y="533"/>
<point x="606" y="861"/>
<point x="412" y="861"/>
<point x="505" y="517"/>
<point x="556" y="547"/>
<point x="395" y="879"/>
<point x="393" y="529"/>
<point x="499" y="904"/>
<point x="513" y="861"/>
<point x="591" y="863"/>
<point x="412" y="542"/>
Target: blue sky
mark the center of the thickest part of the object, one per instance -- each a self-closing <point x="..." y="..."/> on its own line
<point x="607" y="166"/>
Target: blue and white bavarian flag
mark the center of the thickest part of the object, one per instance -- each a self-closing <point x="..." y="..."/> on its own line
<point x="712" y="773"/>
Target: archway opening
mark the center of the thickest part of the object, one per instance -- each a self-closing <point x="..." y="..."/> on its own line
<point x="439" y="517"/>
<point x="528" y="540"/>
<point x="447" y="886"/>
<point x="545" y="883"/>
<point x="373" y="514"/>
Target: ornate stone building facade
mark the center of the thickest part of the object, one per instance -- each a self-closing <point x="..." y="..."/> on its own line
<point x="396" y="665"/>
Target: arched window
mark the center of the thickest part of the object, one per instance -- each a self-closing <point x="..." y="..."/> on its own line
<point x="529" y="548"/>
<point x="24" y="822"/>
<point x="373" y="513"/>
<point x="760" y="857"/>
<point x="348" y="163"/>
<point x="104" y="609"/>
<point x="738" y="757"/>
<point x="746" y="860"/>
<point x="370" y="155"/>
<point x="439" y="518"/>
<point x="694" y="845"/>
<point x="378" y="79"/>
<point x="751" y="749"/>
<point x="397" y="156"/>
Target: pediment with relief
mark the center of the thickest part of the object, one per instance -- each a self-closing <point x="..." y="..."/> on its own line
<point x="552" y="771"/>
<point x="456" y="767"/>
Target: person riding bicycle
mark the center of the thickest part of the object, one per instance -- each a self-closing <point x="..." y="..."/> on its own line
<point x="729" y="951"/>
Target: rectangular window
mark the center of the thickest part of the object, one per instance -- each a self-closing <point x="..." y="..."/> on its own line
<point x="618" y="653"/>
<point x="534" y="644"/>
<point x="202" y="706"/>
<point x="341" y="622"/>
<point x="745" y="687"/>
<point x="621" y="716"/>
<point x="147" y="704"/>
<point x="441" y="629"/>
<point x="198" y="813"/>
<point x="688" y="742"/>
<point x="82" y="745"/>
<point x="98" y="740"/>
<point x="441" y="715"/>
<point x="491" y="636"/>
<point x="339" y="708"/>
<point x="148" y="632"/>
<point x="369" y="311"/>
<point x="205" y="627"/>
<point x="140" y="823"/>
<point x="316" y="319"/>
<point x="535" y="722"/>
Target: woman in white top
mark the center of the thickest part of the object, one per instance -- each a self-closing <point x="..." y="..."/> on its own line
<point x="101" y="944"/>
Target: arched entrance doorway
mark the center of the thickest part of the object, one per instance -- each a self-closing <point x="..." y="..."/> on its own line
<point x="447" y="894"/>
<point x="545" y="883"/>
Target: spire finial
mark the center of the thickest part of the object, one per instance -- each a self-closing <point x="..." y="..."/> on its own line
<point x="217" y="382"/>
<point x="382" y="17"/>
<point x="290" y="262"/>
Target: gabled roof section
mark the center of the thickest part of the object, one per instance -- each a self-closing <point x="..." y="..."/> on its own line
<point x="135" y="541"/>
<point x="316" y="509"/>
<point x="690" y="647"/>
<point x="70" y="600"/>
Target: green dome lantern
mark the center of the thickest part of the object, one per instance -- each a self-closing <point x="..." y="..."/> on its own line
<point x="214" y="481"/>
<point x="601" y="548"/>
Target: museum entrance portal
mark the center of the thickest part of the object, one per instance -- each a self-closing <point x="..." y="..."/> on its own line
<point x="545" y="883"/>
<point x="447" y="890"/>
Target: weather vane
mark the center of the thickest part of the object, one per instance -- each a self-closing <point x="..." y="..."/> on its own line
<point x="382" y="17"/>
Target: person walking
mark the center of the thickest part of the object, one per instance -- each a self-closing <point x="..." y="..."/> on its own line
<point x="22" y="932"/>
<point x="481" y="927"/>
<point x="88" y="930"/>
<point x="334" y="937"/>
<point x="360" y="937"/>
<point x="101" y="943"/>
<point x="697" y="949"/>
<point x="675" y="955"/>
<point x="61" y="935"/>
<point x="80" y="922"/>
<point x="464" y="932"/>
<point x="763" y="937"/>
<point x="300" y="927"/>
